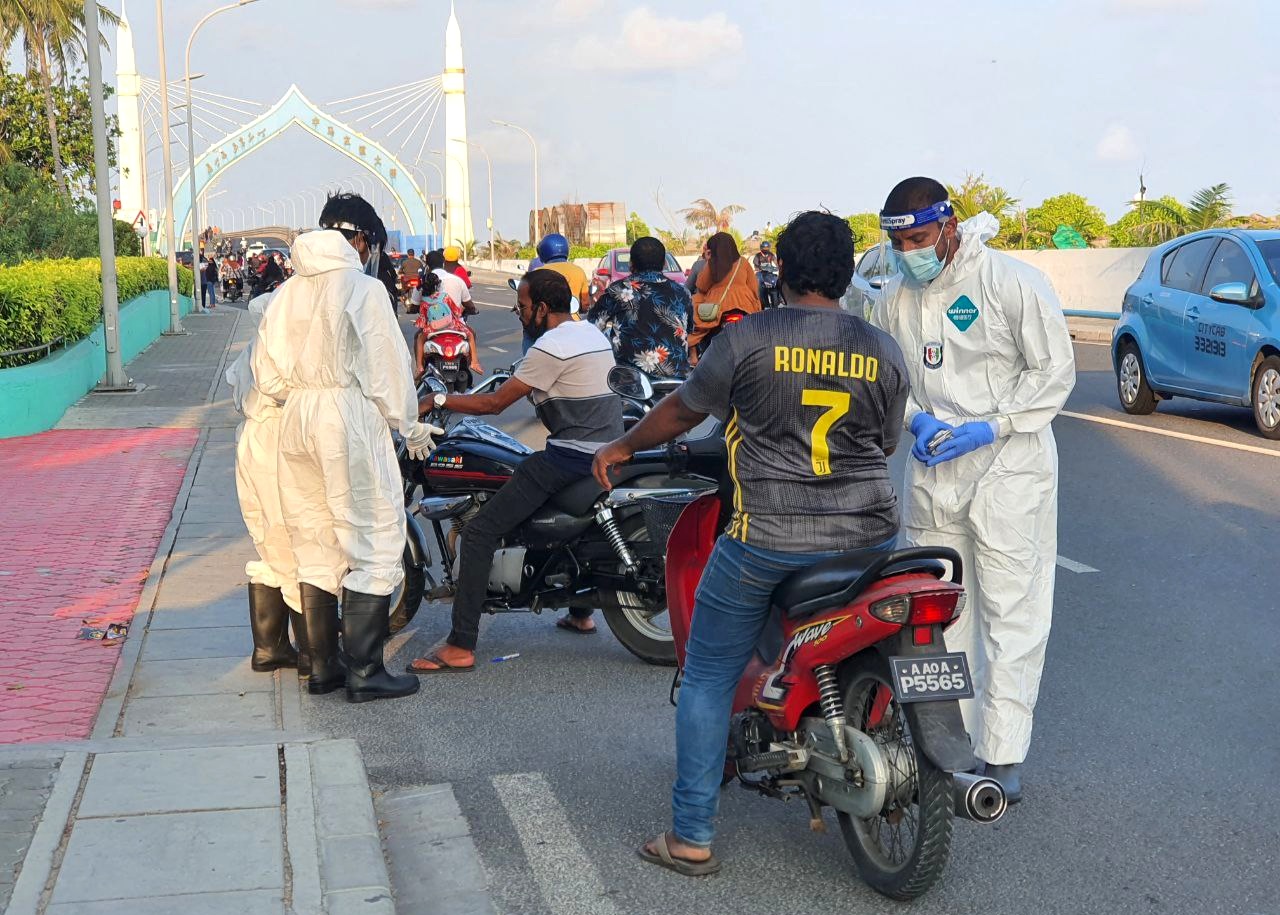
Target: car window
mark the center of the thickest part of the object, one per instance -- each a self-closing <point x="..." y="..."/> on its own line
<point x="1184" y="265"/>
<point x="870" y="262"/>
<point x="673" y="265"/>
<point x="623" y="261"/>
<point x="1270" y="250"/>
<point x="1229" y="264"/>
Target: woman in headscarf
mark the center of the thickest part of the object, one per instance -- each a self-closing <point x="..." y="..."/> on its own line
<point x="727" y="283"/>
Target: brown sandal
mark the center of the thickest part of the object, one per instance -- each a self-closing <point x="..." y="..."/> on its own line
<point x="441" y="666"/>
<point x="683" y="866"/>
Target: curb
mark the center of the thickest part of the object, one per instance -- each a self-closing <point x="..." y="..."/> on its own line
<point x="353" y="872"/>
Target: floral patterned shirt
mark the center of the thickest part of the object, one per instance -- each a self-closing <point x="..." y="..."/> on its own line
<point x="647" y="318"/>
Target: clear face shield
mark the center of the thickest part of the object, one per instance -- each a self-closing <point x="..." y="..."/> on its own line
<point x="350" y="231"/>
<point x="919" y="264"/>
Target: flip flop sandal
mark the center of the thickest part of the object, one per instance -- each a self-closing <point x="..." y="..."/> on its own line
<point x="682" y="866"/>
<point x="563" y="623"/>
<point x="443" y="667"/>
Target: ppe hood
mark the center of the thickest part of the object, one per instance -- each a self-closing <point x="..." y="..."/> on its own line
<point x="975" y="232"/>
<point x="321" y="251"/>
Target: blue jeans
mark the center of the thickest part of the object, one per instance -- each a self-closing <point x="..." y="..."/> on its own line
<point x="730" y="611"/>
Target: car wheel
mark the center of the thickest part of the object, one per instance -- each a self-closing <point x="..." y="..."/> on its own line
<point x="1266" y="397"/>
<point x="1136" y="395"/>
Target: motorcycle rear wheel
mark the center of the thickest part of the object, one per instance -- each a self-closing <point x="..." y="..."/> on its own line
<point x="643" y="630"/>
<point x="902" y="851"/>
<point x="407" y="598"/>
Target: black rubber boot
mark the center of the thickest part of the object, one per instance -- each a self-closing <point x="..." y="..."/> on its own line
<point x="299" y="623"/>
<point x="1010" y="779"/>
<point x="269" y="620"/>
<point x="321" y="611"/>
<point x="365" y="631"/>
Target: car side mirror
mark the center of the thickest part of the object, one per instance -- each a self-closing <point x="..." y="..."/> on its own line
<point x="629" y="381"/>
<point x="515" y="287"/>
<point x="1231" y="293"/>
<point x="876" y="281"/>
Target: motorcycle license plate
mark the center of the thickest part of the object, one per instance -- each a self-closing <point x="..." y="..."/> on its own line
<point x="449" y="366"/>
<point x="928" y="678"/>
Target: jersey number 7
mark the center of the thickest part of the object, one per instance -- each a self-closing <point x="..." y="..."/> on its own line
<point x="837" y="405"/>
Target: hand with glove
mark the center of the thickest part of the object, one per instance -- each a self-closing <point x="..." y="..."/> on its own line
<point x="967" y="437"/>
<point x="418" y="439"/>
<point x="925" y="426"/>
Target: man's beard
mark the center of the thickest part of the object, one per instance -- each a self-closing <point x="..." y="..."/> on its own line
<point x="534" y="330"/>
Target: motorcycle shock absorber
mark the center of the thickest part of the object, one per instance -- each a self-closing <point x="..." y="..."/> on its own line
<point x="832" y="707"/>
<point x="604" y="518"/>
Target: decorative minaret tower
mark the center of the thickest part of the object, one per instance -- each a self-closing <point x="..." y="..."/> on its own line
<point x="457" y="171"/>
<point x="132" y="164"/>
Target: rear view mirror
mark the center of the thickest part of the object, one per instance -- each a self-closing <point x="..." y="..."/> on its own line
<point x="515" y="287"/>
<point x="629" y="381"/>
<point x="1231" y="293"/>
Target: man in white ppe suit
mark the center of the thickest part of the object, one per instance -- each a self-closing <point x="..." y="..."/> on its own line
<point x="330" y="350"/>
<point x="273" y="576"/>
<point x="991" y="365"/>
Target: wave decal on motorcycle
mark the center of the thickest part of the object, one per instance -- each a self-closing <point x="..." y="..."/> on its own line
<point x="773" y="687"/>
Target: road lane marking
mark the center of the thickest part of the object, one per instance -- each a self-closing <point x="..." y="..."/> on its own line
<point x="561" y="866"/>
<point x="496" y="349"/>
<point x="1072" y="566"/>
<point x="1169" y="433"/>
<point x="506" y="305"/>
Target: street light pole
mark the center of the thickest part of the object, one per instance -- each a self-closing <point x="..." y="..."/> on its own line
<point x="115" y="379"/>
<point x="488" y="164"/>
<point x="537" y="191"/>
<point x="175" y="318"/>
<point x="435" y="224"/>
<point x="191" y="140"/>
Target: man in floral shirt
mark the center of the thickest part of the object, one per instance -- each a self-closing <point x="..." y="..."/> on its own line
<point x="646" y="316"/>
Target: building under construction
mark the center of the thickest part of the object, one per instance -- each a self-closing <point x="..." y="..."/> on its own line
<point x="582" y="223"/>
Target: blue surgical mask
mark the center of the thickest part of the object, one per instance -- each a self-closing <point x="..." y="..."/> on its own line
<point x="921" y="265"/>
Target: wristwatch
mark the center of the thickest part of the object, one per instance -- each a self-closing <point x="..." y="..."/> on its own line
<point x="439" y="400"/>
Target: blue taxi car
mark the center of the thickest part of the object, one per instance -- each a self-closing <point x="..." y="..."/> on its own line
<point x="1203" y="321"/>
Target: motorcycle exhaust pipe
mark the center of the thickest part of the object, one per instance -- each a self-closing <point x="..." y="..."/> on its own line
<point x="978" y="798"/>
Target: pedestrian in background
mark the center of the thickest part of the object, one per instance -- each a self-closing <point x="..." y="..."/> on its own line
<point x="209" y="282"/>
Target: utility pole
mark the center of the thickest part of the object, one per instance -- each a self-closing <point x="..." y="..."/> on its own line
<point x="175" y="317"/>
<point x="115" y="379"/>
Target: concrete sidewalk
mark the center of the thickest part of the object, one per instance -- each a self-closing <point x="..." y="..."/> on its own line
<point x="197" y="791"/>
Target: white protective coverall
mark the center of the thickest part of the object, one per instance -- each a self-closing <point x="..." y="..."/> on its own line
<point x="330" y="348"/>
<point x="987" y="340"/>
<point x="257" y="447"/>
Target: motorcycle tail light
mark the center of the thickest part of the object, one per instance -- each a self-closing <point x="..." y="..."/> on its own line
<point x="892" y="609"/>
<point x="934" y="607"/>
<point x="732" y="319"/>
<point x="448" y="351"/>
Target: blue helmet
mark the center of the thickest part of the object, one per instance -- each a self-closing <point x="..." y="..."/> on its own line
<point x="553" y="247"/>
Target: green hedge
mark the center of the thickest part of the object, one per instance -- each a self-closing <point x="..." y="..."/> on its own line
<point x="46" y="300"/>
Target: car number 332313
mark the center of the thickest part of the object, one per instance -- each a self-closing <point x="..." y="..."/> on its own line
<point x="932" y="677"/>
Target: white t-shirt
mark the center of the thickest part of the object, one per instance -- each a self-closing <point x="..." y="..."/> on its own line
<point x="453" y="286"/>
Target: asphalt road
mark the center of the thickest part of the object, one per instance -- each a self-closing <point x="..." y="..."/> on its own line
<point x="1151" y="787"/>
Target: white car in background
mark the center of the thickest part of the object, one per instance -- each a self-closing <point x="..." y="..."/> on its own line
<point x="869" y="277"/>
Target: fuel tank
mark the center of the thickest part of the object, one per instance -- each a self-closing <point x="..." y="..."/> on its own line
<point x="474" y="456"/>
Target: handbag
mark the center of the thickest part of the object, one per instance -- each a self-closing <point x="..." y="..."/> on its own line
<point x="713" y="308"/>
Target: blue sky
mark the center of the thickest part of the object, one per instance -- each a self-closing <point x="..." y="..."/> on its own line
<point x="778" y="106"/>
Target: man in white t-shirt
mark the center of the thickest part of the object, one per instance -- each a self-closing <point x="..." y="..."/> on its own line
<point x="565" y="374"/>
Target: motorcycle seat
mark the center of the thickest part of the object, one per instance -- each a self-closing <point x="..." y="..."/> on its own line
<point x="839" y="580"/>
<point x="577" y="498"/>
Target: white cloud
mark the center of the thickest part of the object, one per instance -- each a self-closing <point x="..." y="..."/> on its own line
<point x="570" y="10"/>
<point x="1118" y="144"/>
<point x="651" y="42"/>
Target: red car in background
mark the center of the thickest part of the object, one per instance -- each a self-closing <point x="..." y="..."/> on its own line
<point x="616" y="265"/>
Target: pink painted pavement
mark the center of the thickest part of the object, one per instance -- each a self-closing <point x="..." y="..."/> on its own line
<point x="81" y="516"/>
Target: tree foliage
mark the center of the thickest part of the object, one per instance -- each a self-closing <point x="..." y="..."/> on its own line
<point x="40" y="223"/>
<point x="24" y="134"/>
<point x="636" y="227"/>
<point x="866" y="230"/>
<point x="1063" y="210"/>
<point x="1165" y="218"/>
<point x="974" y="195"/>
<point x="704" y="216"/>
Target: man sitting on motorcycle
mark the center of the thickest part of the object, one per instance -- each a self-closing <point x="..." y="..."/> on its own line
<point x="813" y="399"/>
<point x="565" y="375"/>
<point x="410" y="267"/>
<point x="765" y="261"/>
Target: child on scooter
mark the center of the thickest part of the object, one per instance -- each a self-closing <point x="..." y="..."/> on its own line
<point x="439" y="312"/>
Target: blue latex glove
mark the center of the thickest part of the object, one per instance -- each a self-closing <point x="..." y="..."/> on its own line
<point x="924" y="426"/>
<point x="967" y="437"/>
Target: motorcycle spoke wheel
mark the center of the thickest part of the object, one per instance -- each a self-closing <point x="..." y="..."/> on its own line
<point x="902" y="850"/>
<point x="642" y="624"/>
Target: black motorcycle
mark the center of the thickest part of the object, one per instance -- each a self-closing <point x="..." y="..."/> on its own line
<point x="232" y="287"/>
<point x="586" y="548"/>
<point x="770" y="293"/>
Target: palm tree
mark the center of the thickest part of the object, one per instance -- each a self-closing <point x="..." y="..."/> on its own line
<point x="703" y="215"/>
<point x="1165" y="219"/>
<point x="975" y="196"/>
<point x="53" y="39"/>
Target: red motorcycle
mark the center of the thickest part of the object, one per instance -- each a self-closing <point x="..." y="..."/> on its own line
<point x="408" y="288"/>
<point x="450" y="353"/>
<point x="851" y="700"/>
